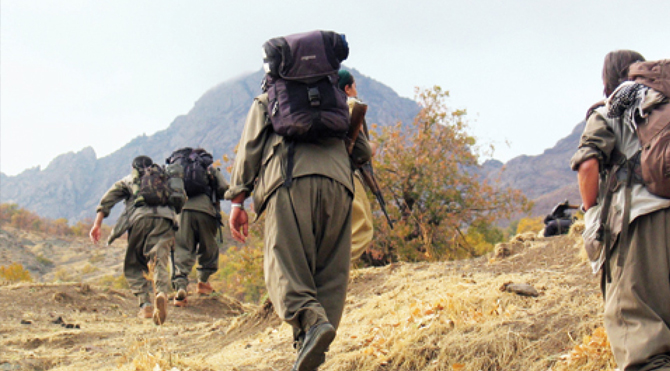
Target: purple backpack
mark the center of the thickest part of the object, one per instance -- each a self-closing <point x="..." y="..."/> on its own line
<point x="305" y="103"/>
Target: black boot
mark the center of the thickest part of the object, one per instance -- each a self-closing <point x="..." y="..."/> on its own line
<point x="313" y="351"/>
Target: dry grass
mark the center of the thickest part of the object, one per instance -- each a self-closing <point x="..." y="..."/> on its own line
<point x="437" y="316"/>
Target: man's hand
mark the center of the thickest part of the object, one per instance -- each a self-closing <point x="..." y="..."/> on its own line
<point x="239" y="224"/>
<point x="96" y="230"/>
<point x="239" y="220"/>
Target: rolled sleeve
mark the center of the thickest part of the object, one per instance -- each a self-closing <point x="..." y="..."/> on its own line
<point x="597" y="141"/>
<point x="118" y="192"/>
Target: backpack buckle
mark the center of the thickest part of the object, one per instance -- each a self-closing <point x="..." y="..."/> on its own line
<point x="314" y="96"/>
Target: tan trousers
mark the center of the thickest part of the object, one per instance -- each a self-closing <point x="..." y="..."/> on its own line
<point x="149" y="239"/>
<point x="361" y="221"/>
<point x="307" y="250"/>
<point x="637" y="306"/>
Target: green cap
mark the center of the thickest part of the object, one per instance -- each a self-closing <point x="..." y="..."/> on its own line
<point x="345" y="79"/>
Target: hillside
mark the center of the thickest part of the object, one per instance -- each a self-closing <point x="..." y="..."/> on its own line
<point x="425" y="316"/>
<point x="72" y="184"/>
<point x="546" y="178"/>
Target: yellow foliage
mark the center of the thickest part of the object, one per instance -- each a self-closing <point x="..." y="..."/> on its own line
<point x="15" y="273"/>
<point x="594" y="353"/>
<point x="118" y="283"/>
<point x="530" y="225"/>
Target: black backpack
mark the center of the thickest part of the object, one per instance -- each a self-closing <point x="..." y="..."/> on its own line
<point x="305" y="103"/>
<point x="195" y="163"/>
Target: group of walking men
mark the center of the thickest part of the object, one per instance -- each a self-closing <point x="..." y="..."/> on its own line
<point x="313" y="202"/>
<point x="157" y="234"/>
<point x="308" y="224"/>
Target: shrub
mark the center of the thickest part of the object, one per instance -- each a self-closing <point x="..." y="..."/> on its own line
<point x="15" y="273"/>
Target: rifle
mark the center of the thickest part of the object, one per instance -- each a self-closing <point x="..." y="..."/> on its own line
<point x="369" y="179"/>
<point x="367" y="173"/>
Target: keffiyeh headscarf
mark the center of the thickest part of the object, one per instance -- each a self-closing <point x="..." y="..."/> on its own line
<point x="632" y="99"/>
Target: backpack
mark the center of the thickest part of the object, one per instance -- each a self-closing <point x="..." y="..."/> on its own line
<point x="195" y="164"/>
<point x="150" y="186"/>
<point x="654" y="133"/>
<point x="305" y="102"/>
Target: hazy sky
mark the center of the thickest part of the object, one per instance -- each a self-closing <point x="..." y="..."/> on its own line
<point x="98" y="73"/>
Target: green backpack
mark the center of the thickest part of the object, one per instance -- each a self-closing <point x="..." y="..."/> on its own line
<point x="150" y="186"/>
<point x="156" y="186"/>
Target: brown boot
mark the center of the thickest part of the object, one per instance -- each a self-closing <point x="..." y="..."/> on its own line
<point x="160" y="311"/>
<point x="146" y="311"/>
<point x="204" y="288"/>
<point x="181" y="299"/>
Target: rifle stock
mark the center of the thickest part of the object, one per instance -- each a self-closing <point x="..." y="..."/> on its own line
<point x="369" y="179"/>
<point x="356" y="123"/>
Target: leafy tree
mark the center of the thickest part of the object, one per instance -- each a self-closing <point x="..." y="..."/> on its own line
<point x="428" y="173"/>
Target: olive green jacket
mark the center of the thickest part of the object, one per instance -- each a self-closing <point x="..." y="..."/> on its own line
<point x="260" y="161"/>
<point x="122" y="191"/>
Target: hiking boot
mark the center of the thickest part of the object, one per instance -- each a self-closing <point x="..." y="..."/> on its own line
<point x="204" y="288"/>
<point x="313" y="351"/>
<point x="146" y="311"/>
<point x="180" y="300"/>
<point x="160" y="310"/>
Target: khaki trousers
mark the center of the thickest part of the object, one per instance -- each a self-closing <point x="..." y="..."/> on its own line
<point x="307" y="251"/>
<point x="637" y="306"/>
<point x="196" y="238"/>
<point x="361" y="221"/>
<point x="149" y="239"/>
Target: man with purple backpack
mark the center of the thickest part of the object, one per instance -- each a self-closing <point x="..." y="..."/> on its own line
<point x="293" y="157"/>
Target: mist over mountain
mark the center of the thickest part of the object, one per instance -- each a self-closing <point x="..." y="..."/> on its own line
<point x="73" y="183"/>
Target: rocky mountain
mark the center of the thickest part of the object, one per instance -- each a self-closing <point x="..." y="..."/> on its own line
<point x="72" y="184"/>
<point x="546" y="179"/>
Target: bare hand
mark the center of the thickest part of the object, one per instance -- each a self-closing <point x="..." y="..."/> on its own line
<point x="239" y="224"/>
<point x="95" y="234"/>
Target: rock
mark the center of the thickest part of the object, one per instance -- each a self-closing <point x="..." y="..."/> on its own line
<point x="522" y="289"/>
<point x="505" y="249"/>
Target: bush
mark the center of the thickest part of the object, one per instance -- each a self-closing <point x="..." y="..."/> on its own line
<point x="15" y="273"/>
<point x="115" y="282"/>
<point x="44" y="261"/>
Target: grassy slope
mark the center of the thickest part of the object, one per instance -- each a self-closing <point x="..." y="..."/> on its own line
<point x="440" y="316"/>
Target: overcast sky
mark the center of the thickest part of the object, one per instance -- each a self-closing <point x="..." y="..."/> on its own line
<point x="98" y="73"/>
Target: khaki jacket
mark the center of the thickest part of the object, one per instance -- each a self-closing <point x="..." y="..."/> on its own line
<point x="122" y="191"/>
<point x="259" y="167"/>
